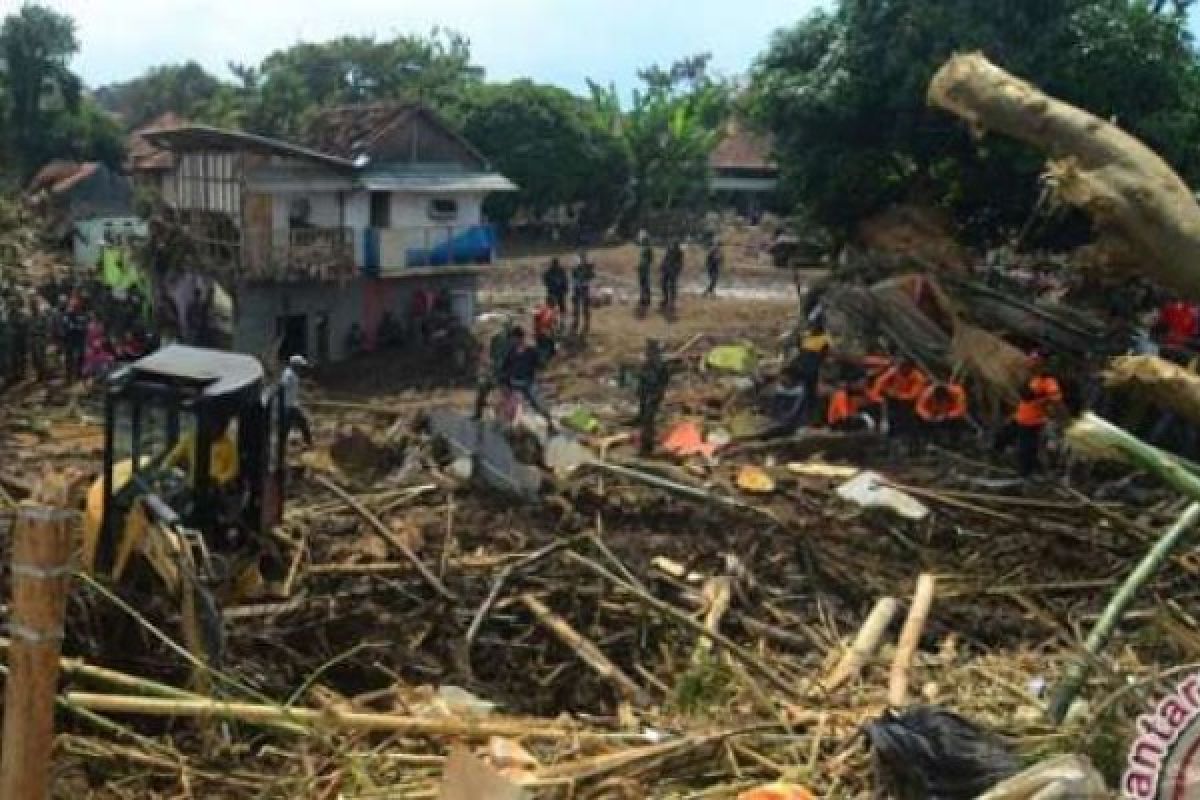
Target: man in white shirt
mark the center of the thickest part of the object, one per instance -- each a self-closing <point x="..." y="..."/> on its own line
<point x="293" y="414"/>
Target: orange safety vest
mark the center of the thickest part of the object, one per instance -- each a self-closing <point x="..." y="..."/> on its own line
<point x="902" y="385"/>
<point x="1033" y="410"/>
<point x="954" y="407"/>
<point x="544" y="321"/>
<point x="842" y="406"/>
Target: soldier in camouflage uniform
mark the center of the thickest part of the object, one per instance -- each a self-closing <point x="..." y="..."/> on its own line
<point x="5" y="343"/>
<point x="39" y="338"/>
<point x="19" y="326"/>
<point x="653" y="377"/>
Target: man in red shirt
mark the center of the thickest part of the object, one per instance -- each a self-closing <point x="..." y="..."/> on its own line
<point x="1180" y="321"/>
<point x="545" y="325"/>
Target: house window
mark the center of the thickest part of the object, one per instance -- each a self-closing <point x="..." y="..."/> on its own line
<point x="300" y="213"/>
<point x="381" y="210"/>
<point x="443" y="208"/>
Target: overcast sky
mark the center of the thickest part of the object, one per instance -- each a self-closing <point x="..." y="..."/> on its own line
<point x="554" y="41"/>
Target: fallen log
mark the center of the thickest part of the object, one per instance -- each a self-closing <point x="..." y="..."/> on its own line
<point x="1135" y="199"/>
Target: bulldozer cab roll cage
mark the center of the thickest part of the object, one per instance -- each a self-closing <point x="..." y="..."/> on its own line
<point x="151" y="409"/>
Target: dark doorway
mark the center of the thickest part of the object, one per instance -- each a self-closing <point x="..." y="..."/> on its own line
<point x="292" y="331"/>
<point x="381" y="209"/>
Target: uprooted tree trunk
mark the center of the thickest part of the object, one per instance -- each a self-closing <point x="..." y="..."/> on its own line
<point x="1136" y="200"/>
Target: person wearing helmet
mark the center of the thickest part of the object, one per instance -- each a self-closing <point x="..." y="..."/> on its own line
<point x="293" y="413"/>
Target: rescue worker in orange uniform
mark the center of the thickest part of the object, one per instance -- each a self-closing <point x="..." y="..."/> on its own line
<point x="1040" y="398"/>
<point x="899" y="388"/>
<point x="545" y="325"/>
<point x="942" y="409"/>
<point x="846" y="408"/>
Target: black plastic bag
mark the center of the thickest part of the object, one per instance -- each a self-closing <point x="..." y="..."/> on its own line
<point x="927" y="753"/>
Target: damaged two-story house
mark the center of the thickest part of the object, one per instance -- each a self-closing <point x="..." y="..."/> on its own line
<point x="377" y="204"/>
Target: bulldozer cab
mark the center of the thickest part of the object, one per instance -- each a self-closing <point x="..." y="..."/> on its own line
<point x="196" y="437"/>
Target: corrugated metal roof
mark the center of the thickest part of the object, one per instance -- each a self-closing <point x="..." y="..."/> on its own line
<point x="198" y="136"/>
<point x="405" y="181"/>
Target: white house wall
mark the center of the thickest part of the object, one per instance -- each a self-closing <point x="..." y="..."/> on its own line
<point x="410" y="210"/>
<point x="325" y="210"/>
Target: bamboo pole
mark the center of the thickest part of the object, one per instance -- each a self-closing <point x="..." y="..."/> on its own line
<point x="1096" y="436"/>
<point x="387" y="535"/>
<point x="588" y="652"/>
<point x="481" y="727"/>
<point x="910" y="635"/>
<point x="41" y="574"/>
<point x="865" y="644"/>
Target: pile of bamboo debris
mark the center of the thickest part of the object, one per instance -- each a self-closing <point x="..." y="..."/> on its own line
<point x="617" y="640"/>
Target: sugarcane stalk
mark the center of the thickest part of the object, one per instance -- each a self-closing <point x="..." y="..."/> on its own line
<point x="864" y="646"/>
<point x="1097" y="436"/>
<point x="910" y="635"/>
<point x="331" y="718"/>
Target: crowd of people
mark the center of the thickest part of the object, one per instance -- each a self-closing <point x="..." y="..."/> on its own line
<point x="72" y="330"/>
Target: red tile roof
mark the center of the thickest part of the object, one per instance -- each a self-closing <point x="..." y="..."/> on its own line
<point x="145" y="157"/>
<point x="742" y="149"/>
<point x="61" y="176"/>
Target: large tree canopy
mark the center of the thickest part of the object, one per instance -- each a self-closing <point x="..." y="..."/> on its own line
<point x="185" y="89"/>
<point x="42" y="112"/>
<point x="844" y="94"/>
<point x="552" y="144"/>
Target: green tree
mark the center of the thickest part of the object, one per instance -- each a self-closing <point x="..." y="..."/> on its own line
<point x="844" y="93"/>
<point x="36" y="45"/>
<point x="551" y="144"/>
<point x="185" y="89"/>
<point x="670" y="129"/>
<point x="290" y="84"/>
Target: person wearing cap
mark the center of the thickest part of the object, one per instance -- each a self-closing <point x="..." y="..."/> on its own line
<point x="293" y="414"/>
<point x="712" y="265"/>
<point x="805" y="369"/>
<point x="645" y="264"/>
<point x="1039" y="398"/>
<point x="652" y="388"/>
<point x="942" y="410"/>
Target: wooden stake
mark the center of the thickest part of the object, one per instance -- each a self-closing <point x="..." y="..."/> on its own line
<point x="41" y="554"/>
<point x="587" y="652"/>
<point x="910" y="635"/>
<point x="865" y="644"/>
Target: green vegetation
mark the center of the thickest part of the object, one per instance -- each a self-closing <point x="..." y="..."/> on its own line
<point x="844" y="93"/>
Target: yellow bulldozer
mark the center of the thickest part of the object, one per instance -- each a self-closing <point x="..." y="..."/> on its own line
<point x="193" y="481"/>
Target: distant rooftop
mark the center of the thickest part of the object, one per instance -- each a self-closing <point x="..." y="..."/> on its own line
<point x="742" y="149"/>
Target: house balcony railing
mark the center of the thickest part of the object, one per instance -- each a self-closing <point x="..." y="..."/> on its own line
<point x="329" y="254"/>
<point x="390" y="251"/>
